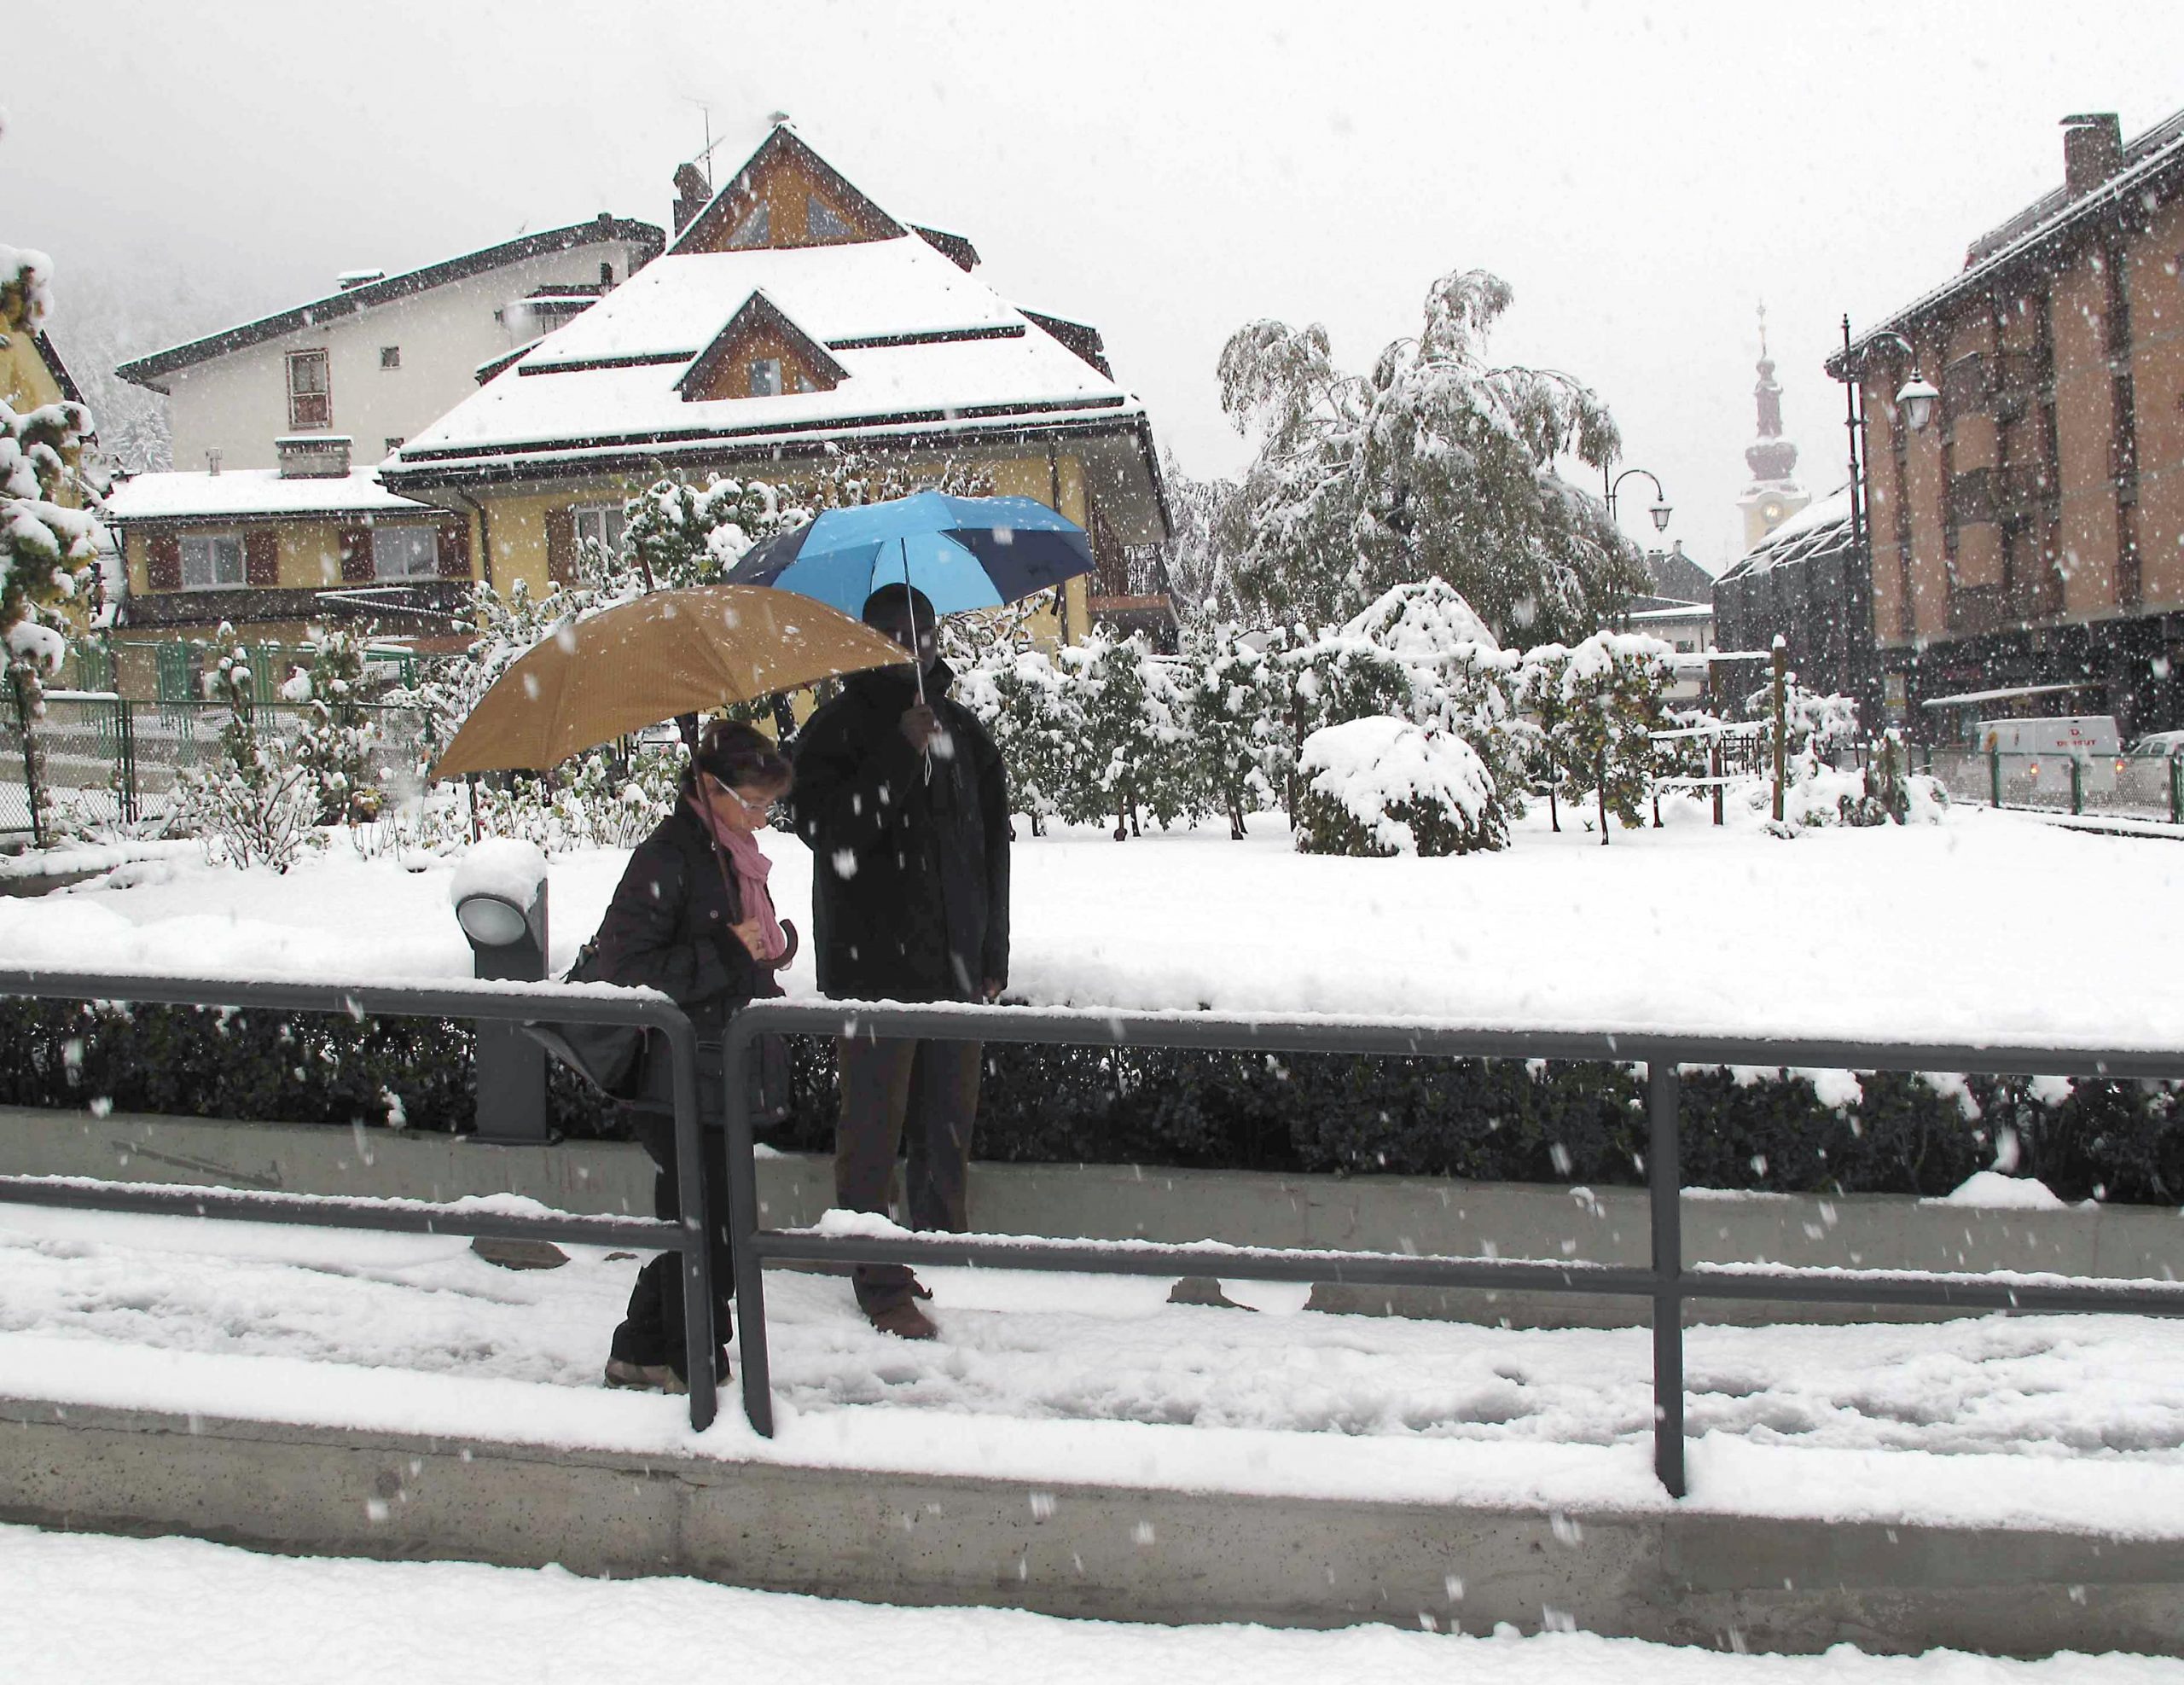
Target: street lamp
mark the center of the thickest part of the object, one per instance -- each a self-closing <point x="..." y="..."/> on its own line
<point x="499" y="895"/>
<point x="1660" y="508"/>
<point x="1914" y="400"/>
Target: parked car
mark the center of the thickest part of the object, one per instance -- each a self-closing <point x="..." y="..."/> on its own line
<point x="2157" y="746"/>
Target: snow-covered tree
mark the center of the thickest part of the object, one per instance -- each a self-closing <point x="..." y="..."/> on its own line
<point x="1195" y="553"/>
<point x="339" y="741"/>
<point x="256" y="805"/>
<point x="1436" y="463"/>
<point x="1611" y="689"/>
<point x="1237" y="739"/>
<point x="1381" y="786"/>
<point x="1126" y="703"/>
<point x="676" y="535"/>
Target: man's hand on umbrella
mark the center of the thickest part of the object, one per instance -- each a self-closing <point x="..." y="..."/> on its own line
<point x="920" y="725"/>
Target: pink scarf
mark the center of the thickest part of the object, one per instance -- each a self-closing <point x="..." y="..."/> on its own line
<point x="752" y="870"/>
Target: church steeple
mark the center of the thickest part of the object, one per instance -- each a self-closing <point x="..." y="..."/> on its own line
<point x="1771" y="456"/>
<point x="1774" y="495"/>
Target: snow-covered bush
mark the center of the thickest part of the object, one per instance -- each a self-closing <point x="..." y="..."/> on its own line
<point x="258" y="804"/>
<point x="1600" y="703"/>
<point x="1129" y="734"/>
<point x="1380" y="787"/>
<point x="339" y="745"/>
<point x="1236" y="739"/>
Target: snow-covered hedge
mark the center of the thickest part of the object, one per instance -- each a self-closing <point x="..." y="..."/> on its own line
<point x="1484" y="1120"/>
<point x="1380" y="787"/>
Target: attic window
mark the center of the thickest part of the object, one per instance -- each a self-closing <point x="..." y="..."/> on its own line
<point x="821" y="225"/>
<point x="755" y="229"/>
<point x="765" y="377"/>
<point x="390" y="357"/>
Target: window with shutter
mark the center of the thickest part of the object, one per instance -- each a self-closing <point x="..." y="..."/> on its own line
<point x="261" y="557"/>
<point x="455" y="551"/>
<point x="356" y="546"/>
<point x="163" y="562"/>
<point x="560" y="545"/>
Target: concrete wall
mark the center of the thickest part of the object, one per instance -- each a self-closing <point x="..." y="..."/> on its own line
<point x="1398" y="1214"/>
<point x="1672" y="1575"/>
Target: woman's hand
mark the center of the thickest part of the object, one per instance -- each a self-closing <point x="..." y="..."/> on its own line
<point x="752" y="937"/>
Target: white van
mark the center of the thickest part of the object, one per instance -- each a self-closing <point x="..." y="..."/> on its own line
<point x="2036" y="754"/>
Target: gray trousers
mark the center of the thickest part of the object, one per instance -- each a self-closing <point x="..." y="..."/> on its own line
<point x="896" y="1093"/>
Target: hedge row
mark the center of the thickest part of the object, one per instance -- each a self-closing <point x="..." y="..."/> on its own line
<point x="1492" y="1120"/>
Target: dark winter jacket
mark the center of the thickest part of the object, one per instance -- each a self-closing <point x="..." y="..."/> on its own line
<point x="910" y="875"/>
<point x="668" y="928"/>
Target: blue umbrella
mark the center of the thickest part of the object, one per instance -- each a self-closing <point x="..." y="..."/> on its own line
<point x="962" y="552"/>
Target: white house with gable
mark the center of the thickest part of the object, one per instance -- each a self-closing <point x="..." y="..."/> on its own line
<point x="383" y="355"/>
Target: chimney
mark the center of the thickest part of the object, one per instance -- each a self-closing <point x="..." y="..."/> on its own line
<point x="2093" y="151"/>
<point x="212" y="462"/>
<point x="691" y="194"/>
<point x="313" y="456"/>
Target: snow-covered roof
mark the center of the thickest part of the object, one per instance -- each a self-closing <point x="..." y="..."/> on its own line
<point x="149" y="371"/>
<point x="1813" y="529"/>
<point x="2158" y="153"/>
<point x="239" y="493"/>
<point x="1681" y="611"/>
<point x="924" y="345"/>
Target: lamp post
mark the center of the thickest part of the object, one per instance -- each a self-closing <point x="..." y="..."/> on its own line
<point x="1659" y="510"/>
<point x="499" y="895"/>
<point x="1914" y="399"/>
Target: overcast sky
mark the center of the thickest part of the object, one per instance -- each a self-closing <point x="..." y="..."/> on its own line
<point x="1643" y="177"/>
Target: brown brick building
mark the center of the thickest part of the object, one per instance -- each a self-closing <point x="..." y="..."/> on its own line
<point x="2032" y="531"/>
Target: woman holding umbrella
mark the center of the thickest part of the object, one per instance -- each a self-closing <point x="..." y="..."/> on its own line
<point x="693" y="918"/>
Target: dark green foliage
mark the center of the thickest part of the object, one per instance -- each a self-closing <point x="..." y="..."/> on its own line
<point x="1486" y="1120"/>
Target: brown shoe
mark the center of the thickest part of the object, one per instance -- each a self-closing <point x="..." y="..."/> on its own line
<point x="644" y="1377"/>
<point x="905" y="1320"/>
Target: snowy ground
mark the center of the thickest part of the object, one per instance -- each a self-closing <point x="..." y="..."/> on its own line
<point x="2070" y="1421"/>
<point x="1986" y="927"/>
<point x="89" y="1611"/>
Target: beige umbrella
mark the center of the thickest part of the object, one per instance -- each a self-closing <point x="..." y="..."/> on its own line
<point x="653" y="657"/>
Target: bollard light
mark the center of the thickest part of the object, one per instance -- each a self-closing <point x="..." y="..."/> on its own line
<point x="499" y="895"/>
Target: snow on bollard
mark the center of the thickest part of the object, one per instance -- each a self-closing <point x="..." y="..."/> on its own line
<point x="499" y="896"/>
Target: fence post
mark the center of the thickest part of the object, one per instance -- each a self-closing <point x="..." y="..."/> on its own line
<point x="2176" y="790"/>
<point x="742" y="1223"/>
<point x="2078" y="785"/>
<point x="1664" y="1180"/>
<point x="20" y="689"/>
<point x="126" y="735"/>
<point x="1995" y="777"/>
<point x="1714" y="767"/>
<point x="1781" y="747"/>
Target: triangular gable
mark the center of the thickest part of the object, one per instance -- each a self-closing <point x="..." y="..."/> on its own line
<point x="786" y="195"/>
<point x="758" y="334"/>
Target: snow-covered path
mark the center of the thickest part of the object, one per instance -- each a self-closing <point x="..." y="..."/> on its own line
<point x="1073" y="1356"/>
<point x="83" y="1610"/>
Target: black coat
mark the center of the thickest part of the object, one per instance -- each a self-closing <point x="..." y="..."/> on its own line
<point x="910" y="875"/>
<point x="668" y="928"/>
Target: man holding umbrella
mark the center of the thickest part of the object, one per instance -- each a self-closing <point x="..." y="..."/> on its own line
<point x="900" y="793"/>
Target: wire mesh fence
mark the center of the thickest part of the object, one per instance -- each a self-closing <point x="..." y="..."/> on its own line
<point x="108" y="763"/>
<point x="2124" y="786"/>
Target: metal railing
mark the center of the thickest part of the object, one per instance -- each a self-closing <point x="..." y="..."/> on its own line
<point x="1666" y="1283"/>
<point x="500" y="1002"/>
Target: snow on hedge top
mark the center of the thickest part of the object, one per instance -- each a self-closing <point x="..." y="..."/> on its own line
<point x="1372" y="764"/>
<point x="504" y="867"/>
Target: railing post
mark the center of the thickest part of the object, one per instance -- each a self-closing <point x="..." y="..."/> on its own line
<point x="1995" y="777"/>
<point x="125" y="735"/>
<point x="1664" y="1177"/>
<point x="2078" y="785"/>
<point x="2176" y="790"/>
<point x="698" y="1340"/>
<point x="742" y="1224"/>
